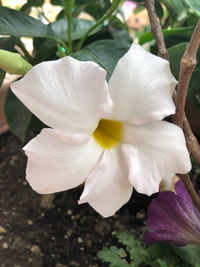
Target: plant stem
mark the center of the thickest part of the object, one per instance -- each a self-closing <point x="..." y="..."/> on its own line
<point x="69" y="34"/>
<point x="62" y="43"/>
<point x="68" y="5"/>
<point x="114" y="6"/>
<point x="192" y="143"/>
<point x="162" y="52"/>
<point x="156" y="29"/>
<point x="188" y="63"/>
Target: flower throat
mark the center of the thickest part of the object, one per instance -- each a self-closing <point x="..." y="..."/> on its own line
<point x="108" y="133"/>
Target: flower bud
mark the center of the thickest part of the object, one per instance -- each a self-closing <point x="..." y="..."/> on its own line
<point x="13" y="63"/>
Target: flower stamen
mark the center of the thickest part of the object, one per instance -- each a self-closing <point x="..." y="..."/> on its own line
<point x="108" y="133"/>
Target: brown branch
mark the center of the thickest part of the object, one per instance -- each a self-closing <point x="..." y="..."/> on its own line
<point x="191" y="140"/>
<point x="188" y="63"/>
<point x="156" y="29"/>
<point x="192" y="143"/>
<point x="162" y="52"/>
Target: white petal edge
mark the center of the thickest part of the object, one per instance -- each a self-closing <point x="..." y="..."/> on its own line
<point x="152" y="152"/>
<point x="141" y="87"/>
<point x="57" y="162"/>
<point x="107" y="187"/>
<point x="66" y="94"/>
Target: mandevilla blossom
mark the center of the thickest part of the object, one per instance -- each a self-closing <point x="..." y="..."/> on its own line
<point x="173" y="218"/>
<point x="108" y="135"/>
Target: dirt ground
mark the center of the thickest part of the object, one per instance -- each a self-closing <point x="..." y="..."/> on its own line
<point x="67" y="234"/>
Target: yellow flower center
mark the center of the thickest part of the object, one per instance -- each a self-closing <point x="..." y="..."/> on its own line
<point x="108" y="133"/>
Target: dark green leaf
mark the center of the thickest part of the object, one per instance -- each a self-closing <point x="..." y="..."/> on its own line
<point x="44" y="49"/>
<point x="192" y="19"/>
<point x="104" y="52"/>
<point x="36" y="124"/>
<point x="95" y="8"/>
<point x="161" y="263"/>
<point x="189" y="253"/>
<point x="184" y="31"/>
<point x="176" y="52"/>
<point x="17" y="115"/>
<point x="7" y="43"/>
<point x="57" y="2"/>
<point x="165" y="253"/>
<point x="196" y="102"/>
<point x="78" y="28"/>
<point x="2" y="76"/>
<point x="119" y="30"/>
<point x="194" y="6"/>
<point x="194" y="86"/>
<point x="177" y="9"/>
<point x="17" y="23"/>
<point x="159" y="10"/>
<point x="121" y="35"/>
<point x="30" y="3"/>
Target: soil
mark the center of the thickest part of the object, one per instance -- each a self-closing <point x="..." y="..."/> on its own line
<point x="64" y="234"/>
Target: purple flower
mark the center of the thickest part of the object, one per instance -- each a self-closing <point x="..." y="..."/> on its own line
<point x="173" y="218"/>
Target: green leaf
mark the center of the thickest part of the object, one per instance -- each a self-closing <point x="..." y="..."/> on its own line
<point x="112" y="255"/>
<point x="189" y="253"/>
<point x="126" y="239"/>
<point x="95" y="8"/>
<point x="177" y="9"/>
<point x="44" y="49"/>
<point x="176" y="52"/>
<point x="196" y="102"/>
<point x="17" y="23"/>
<point x="2" y="76"/>
<point x="17" y="115"/>
<point x="194" y="86"/>
<point x="104" y="52"/>
<point x="78" y="28"/>
<point x="184" y="31"/>
<point x="165" y="254"/>
<point x="194" y="5"/>
<point x="161" y="263"/>
<point x="7" y="43"/>
<point x="57" y="2"/>
<point x="159" y="10"/>
<point x="31" y="3"/>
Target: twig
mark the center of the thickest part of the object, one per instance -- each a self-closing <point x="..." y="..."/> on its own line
<point x="190" y="138"/>
<point x="188" y="63"/>
<point x="192" y="143"/>
<point x="156" y="29"/>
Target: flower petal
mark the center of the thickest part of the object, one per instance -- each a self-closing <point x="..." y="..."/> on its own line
<point x="153" y="151"/>
<point x="107" y="187"/>
<point x="57" y="162"/>
<point x="141" y="87"/>
<point x="188" y="204"/>
<point x="66" y="94"/>
<point x="171" y="220"/>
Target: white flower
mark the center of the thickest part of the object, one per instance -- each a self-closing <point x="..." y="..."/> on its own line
<point x="109" y="136"/>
